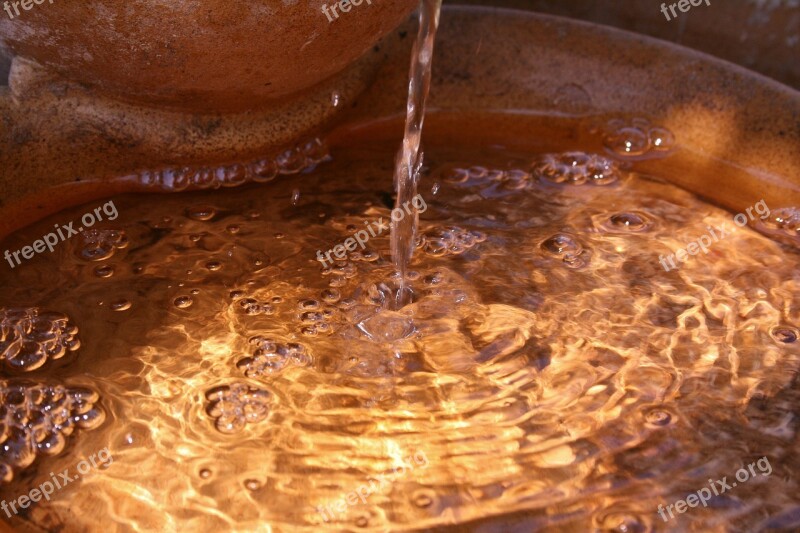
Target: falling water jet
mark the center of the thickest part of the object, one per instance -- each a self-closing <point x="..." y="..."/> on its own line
<point x="409" y="158"/>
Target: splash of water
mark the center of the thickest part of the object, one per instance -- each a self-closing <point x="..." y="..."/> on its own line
<point x="409" y="158"/>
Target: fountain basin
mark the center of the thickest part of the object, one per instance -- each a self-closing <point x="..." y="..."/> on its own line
<point x="554" y="97"/>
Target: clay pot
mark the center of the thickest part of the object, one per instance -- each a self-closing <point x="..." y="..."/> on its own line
<point x="204" y="55"/>
<point x="737" y="132"/>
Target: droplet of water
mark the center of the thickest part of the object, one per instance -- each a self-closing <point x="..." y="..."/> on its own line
<point x="183" y="302"/>
<point x="201" y="213"/>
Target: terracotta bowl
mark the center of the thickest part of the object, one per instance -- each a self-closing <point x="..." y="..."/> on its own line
<point x="737" y="131"/>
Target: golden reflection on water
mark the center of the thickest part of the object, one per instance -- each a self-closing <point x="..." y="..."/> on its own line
<point x="548" y="365"/>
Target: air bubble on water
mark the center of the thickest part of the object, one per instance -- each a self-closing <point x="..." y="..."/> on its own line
<point x="295" y="197"/>
<point x="331" y="296"/>
<point x="434" y="279"/>
<point x="233" y="229"/>
<point x="658" y="417"/>
<point x="336" y="98"/>
<point x="264" y="170"/>
<point x="214" y="265"/>
<point x="104" y="271"/>
<point x="252" y="484"/>
<point x="568" y="249"/>
<point x="561" y="244"/>
<point x="784" y="334"/>
<point x="205" y="473"/>
<point x="30" y="337"/>
<point x="201" y="213"/>
<point x="423" y="497"/>
<point x="194" y="292"/>
<point x="633" y="221"/>
<point x="183" y="302"/>
<point x="621" y="522"/>
<point x="308" y="304"/>
<point x="661" y="138"/>
<point x="628" y="141"/>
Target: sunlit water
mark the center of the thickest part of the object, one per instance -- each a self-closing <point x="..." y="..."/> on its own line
<point x="548" y="367"/>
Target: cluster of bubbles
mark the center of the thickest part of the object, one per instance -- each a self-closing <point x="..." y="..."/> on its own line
<point x="270" y="357"/>
<point x="477" y="175"/>
<point x="234" y="406"/>
<point x="451" y="240"/>
<point x="36" y="419"/>
<point x="31" y="337"/>
<point x="785" y="220"/>
<point x="564" y="168"/>
<point x="253" y="307"/>
<point x="575" y="168"/>
<point x="101" y="244"/>
<point x="636" y="137"/>
<point x="293" y="161"/>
